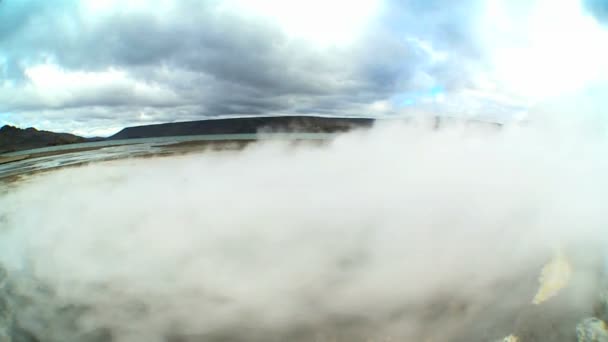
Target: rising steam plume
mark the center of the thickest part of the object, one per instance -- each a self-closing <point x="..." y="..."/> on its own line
<point x="398" y="233"/>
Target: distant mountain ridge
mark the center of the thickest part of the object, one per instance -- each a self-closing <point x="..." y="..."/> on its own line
<point x="16" y="139"/>
<point x="246" y="125"/>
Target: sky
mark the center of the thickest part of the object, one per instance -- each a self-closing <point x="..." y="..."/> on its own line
<point x="92" y="67"/>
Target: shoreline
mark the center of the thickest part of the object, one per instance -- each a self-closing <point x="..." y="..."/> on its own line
<point x="6" y="160"/>
<point x="158" y="150"/>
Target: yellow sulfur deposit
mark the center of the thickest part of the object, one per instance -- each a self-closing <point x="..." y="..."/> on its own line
<point x="554" y="276"/>
<point x="511" y="338"/>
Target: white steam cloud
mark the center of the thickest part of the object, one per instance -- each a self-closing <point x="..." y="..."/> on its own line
<point x="400" y="233"/>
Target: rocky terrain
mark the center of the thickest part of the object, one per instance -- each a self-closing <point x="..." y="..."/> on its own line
<point x="31" y="311"/>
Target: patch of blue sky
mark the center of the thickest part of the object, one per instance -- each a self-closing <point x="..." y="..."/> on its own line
<point x="5" y="119"/>
<point x="411" y="98"/>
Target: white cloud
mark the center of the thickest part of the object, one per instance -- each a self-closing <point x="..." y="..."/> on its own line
<point x="237" y="57"/>
<point x="50" y="86"/>
<point x="318" y="21"/>
<point x="545" y="49"/>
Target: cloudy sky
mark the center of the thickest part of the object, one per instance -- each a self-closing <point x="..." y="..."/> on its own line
<point x="94" y="66"/>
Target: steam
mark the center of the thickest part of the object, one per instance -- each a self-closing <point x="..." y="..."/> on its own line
<point x="401" y="232"/>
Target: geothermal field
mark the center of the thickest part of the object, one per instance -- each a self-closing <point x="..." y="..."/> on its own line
<point x="303" y="171"/>
<point x="402" y="232"/>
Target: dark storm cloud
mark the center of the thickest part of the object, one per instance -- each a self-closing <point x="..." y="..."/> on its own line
<point x="23" y="23"/>
<point x="216" y="62"/>
<point x="599" y="9"/>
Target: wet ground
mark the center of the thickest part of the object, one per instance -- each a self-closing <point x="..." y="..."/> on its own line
<point x="27" y="162"/>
